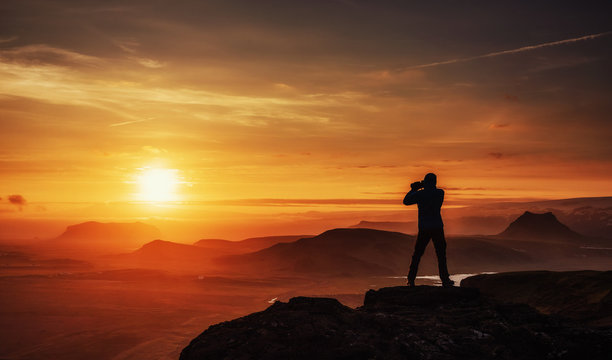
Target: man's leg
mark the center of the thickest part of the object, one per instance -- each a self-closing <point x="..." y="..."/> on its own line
<point x="419" y="249"/>
<point x="437" y="237"/>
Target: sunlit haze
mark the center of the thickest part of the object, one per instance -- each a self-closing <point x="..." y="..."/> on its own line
<point x="316" y="179"/>
<point x="158" y="185"/>
<point x="231" y="111"/>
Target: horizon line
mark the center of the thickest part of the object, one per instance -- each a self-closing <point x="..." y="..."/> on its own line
<point x="322" y="201"/>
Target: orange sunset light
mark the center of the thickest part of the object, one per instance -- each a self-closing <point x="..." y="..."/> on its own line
<point x="158" y="185"/>
<point x="286" y="115"/>
<point x="168" y="165"/>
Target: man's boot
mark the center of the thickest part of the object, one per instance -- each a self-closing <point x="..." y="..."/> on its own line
<point x="448" y="283"/>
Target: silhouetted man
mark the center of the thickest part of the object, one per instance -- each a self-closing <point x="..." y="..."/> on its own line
<point x="429" y="201"/>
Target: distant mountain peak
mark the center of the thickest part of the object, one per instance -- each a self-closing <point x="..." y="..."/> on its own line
<point x="156" y="243"/>
<point x="159" y="246"/>
<point x="540" y="216"/>
<point x="355" y="231"/>
<point x="97" y="229"/>
<point x="108" y="235"/>
<point x="541" y="226"/>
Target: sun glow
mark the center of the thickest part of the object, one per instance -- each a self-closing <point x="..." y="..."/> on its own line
<point x="158" y="184"/>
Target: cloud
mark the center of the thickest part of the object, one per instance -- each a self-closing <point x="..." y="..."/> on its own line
<point x="466" y="188"/>
<point x="283" y="86"/>
<point x="384" y="192"/>
<point x="17" y="200"/>
<point x="7" y="39"/>
<point x="243" y="84"/>
<point x="364" y="167"/>
<point x="150" y="63"/>
<point x="302" y="202"/>
<point x="512" y="51"/>
<point x="510" y="97"/>
<point x="128" y="45"/>
<point x="154" y="150"/>
<point x="129" y="122"/>
<point x="37" y="54"/>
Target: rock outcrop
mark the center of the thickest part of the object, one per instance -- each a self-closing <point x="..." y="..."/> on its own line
<point x="399" y="323"/>
<point x="584" y="296"/>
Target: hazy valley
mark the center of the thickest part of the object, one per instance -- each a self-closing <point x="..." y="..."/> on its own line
<point x="117" y="291"/>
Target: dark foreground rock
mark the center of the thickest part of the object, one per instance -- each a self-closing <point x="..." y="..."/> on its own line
<point x="400" y="323"/>
<point x="584" y="296"/>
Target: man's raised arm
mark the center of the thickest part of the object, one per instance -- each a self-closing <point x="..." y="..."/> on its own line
<point x="412" y="197"/>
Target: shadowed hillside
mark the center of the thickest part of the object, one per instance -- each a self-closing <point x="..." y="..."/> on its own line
<point x="526" y="244"/>
<point x="458" y="224"/>
<point x="160" y="254"/>
<point x="358" y="252"/>
<point x="399" y="226"/>
<point x="369" y="252"/>
<point x="173" y="256"/>
<point x="246" y="245"/>
<point x="334" y="252"/>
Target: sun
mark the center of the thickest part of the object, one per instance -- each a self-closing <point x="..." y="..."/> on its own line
<point x="158" y="184"/>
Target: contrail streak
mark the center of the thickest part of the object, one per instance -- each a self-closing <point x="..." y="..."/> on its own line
<point x="512" y="51"/>
<point x="130" y="122"/>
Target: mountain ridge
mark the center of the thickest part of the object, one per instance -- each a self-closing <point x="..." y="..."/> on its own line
<point x="360" y="251"/>
<point x="249" y="244"/>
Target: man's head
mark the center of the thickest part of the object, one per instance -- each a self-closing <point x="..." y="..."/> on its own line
<point x="430" y="180"/>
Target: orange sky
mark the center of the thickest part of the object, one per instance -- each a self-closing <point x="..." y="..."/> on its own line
<point x="321" y="100"/>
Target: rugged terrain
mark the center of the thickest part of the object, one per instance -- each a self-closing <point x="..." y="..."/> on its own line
<point x="531" y="241"/>
<point x="584" y="296"/>
<point x="403" y="323"/>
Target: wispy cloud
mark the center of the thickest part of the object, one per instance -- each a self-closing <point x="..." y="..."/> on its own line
<point x="298" y="202"/>
<point x="42" y="54"/>
<point x="115" y="86"/>
<point x="150" y="63"/>
<point x="7" y="39"/>
<point x="511" y="51"/>
<point x="129" y="122"/>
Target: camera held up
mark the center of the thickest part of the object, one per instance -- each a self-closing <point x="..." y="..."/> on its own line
<point x="416" y="185"/>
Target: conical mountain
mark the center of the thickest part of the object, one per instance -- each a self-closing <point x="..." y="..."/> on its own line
<point x="532" y="226"/>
